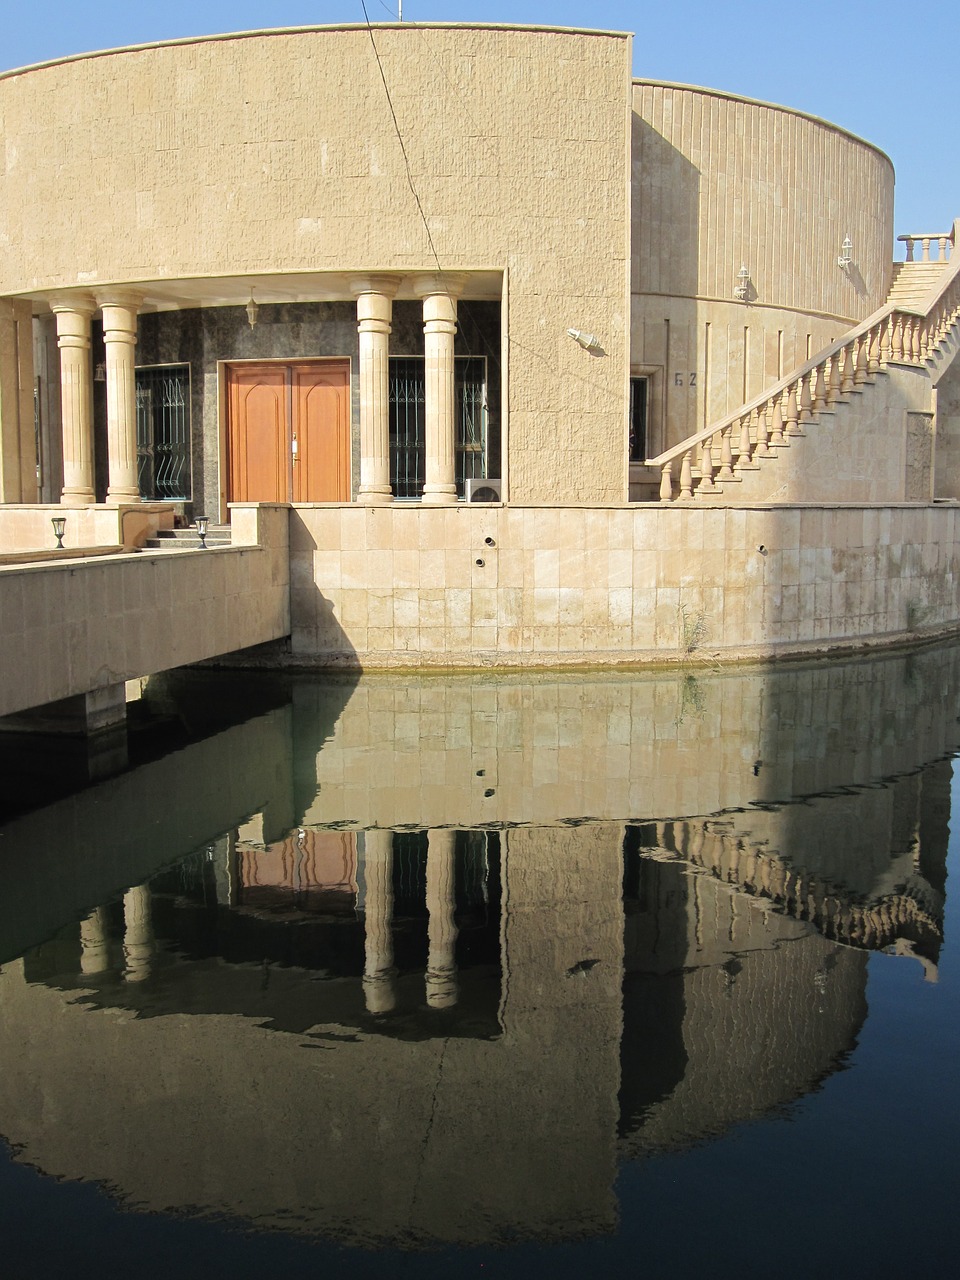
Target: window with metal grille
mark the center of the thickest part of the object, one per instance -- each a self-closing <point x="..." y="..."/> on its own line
<point x="163" y="432"/>
<point x="638" y="419"/>
<point x="407" y="422"/>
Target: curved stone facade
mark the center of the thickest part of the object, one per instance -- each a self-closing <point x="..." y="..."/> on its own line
<point x="722" y="183"/>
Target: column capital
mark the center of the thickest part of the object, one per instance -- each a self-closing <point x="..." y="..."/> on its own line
<point x="81" y="304"/>
<point x="130" y="299"/>
<point x="385" y="285"/>
<point x="448" y="283"/>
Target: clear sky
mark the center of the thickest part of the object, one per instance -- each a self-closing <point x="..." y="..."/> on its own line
<point x="873" y="67"/>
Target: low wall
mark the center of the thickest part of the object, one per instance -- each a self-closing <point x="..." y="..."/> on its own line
<point x="486" y="586"/>
<point x="28" y="528"/>
<point x="70" y="627"/>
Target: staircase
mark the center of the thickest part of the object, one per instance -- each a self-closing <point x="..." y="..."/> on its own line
<point x="218" y="535"/>
<point x="917" y="330"/>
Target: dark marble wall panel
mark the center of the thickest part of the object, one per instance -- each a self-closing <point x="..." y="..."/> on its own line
<point x="294" y="331"/>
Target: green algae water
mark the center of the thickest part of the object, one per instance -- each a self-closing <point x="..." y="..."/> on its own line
<point x="479" y="975"/>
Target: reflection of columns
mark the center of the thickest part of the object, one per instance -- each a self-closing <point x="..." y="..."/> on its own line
<point x="374" y="309"/>
<point x="441" y="930"/>
<point x="378" y="971"/>
<point x="137" y="933"/>
<point x="439" y="294"/>
<point x="93" y="942"/>
<point x="119" y="340"/>
<point x="76" y="397"/>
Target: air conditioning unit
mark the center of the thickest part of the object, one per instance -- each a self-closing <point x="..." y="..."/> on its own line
<point x="477" y="490"/>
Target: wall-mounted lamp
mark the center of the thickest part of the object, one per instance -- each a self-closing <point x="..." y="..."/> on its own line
<point x="743" y="284"/>
<point x="252" y="310"/>
<point x="846" y="254"/>
<point x="201" y="523"/>
<point x="100" y="372"/>
<point x="589" y="341"/>
<point x="59" y="524"/>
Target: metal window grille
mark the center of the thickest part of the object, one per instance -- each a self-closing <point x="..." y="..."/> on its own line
<point x="163" y="432"/>
<point x="638" y="419"/>
<point x="407" y="422"/>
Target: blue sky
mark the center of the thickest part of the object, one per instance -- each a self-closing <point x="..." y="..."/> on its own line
<point x="871" y="67"/>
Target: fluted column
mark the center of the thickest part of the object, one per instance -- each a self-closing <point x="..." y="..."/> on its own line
<point x="120" y="340"/>
<point x="374" y="312"/>
<point x="94" y="957"/>
<point x="137" y="933"/>
<point x="441" y="979"/>
<point x="76" y="397"/>
<point x="378" y="970"/>
<point x="439" y="294"/>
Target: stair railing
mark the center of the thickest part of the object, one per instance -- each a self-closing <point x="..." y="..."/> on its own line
<point x="767" y="423"/>
<point x="944" y="240"/>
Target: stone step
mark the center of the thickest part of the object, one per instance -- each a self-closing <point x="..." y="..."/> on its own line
<point x="218" y="535"/>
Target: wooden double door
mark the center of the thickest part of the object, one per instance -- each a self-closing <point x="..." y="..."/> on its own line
<point x="288" y="431"/>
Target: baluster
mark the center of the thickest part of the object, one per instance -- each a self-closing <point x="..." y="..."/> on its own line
<point x="873" y="353"/>
<point x="915" y="340"/>
<point x="686" y="475"/>
<point x="706" y="466"/>
<point x="833" y="382"/>
<point x="942" y="249"/>
<point x="896" y="336"/>
<point x="726" y="454"/>
<point x="806" y="399"/>
<point x="846" y="382"/>
<point x="860" y="369"/>
<point x="909" y="250"/>
<point x="886" y="340"/>
<point x="924" y="339"/>
<point x="744" y="462"/>
<point x="926" y="249"/>
<point x="776" y="425"/>
<point x="792" y="429"/>
<point x="819" y="389"/>
<point x="763" y="449"/>
<point x="666" y="483"/>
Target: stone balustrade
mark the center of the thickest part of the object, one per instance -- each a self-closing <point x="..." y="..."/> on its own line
<point x="725" y="451"/>
<point x="943" y="240"/>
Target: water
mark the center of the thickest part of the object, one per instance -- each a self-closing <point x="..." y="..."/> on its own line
<point x="482" y="976"/>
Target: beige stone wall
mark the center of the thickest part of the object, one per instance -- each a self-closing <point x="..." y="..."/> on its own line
<point x="69" y="627"/>
<point x="277" y="153"/>
<point x="721" y="182"/>
<point x="402" y="587"/>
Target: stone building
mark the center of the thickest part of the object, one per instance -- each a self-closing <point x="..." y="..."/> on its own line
<point x="659" y="326"/>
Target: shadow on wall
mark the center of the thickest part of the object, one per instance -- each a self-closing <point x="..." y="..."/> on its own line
<point x="665" y="344"/>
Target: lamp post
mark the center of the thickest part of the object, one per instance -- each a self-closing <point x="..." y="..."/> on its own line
<point x="202" y="530"/>
<point x="59" y="525"/>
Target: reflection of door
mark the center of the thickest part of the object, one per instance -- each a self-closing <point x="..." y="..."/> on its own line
<point x="288" y="431"/>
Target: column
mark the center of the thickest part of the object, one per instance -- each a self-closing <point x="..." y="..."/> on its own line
<point x="441" y="979"/>
<point x="120" y="340"/>
<point x="94" y="940"/>
<point x="439" y="294"/>
<point x="374" y="311"/>
<point x="137" y="933"/>
<point x="378" y="970"/>
<point x="18" y="450"/>
<point x="76" y="397"/>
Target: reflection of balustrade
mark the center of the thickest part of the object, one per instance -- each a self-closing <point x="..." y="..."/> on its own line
<point x="813" y="900"/>
<point x="893" y="335"/>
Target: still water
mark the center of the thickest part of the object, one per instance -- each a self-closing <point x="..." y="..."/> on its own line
<point x="630" y="975"/>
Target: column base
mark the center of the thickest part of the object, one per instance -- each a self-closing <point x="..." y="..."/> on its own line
<point x="78" y="498"/>
<point x="375" y="495"/>
<point x="444" y="495"/>
<point x="122" y="497"/>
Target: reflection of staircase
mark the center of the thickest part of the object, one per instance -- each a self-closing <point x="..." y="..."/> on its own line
<point x="218" y="535"/>
<point x="918" y="328"/>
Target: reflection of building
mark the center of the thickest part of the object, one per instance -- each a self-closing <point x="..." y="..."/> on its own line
<point x="454" y="1033"/>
